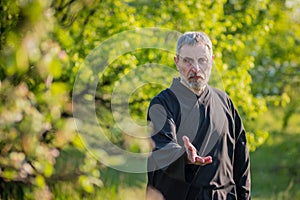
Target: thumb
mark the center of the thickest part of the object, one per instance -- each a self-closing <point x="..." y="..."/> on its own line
<point x="188" y="145"/>
<point x="186" y="140"/>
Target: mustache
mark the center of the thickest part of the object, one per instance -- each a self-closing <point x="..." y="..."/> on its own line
<point x="193" y="74"/>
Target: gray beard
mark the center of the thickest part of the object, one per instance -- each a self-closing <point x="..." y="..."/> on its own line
<point x="193" y="84"/>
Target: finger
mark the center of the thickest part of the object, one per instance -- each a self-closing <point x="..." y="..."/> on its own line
<point x="186" y="140"/>
<point x="199" y="160"/>
<point x="208" y="159"/>
<point x="203" y="160"/>
<point x="188" y="145"/>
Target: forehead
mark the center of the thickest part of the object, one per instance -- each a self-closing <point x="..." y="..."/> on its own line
<point x="194" y="51"/>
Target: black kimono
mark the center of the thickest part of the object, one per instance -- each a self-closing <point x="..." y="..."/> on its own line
<point x="215" y="129"/>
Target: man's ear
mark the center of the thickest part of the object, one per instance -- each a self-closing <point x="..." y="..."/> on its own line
<point x="176" y="61"/>
<point x="213" y="57"/>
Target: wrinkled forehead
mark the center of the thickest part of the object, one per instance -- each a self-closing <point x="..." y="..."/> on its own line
<point x="194" y="51"/>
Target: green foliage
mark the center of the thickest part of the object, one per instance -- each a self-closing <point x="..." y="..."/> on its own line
<point x="277" y="65"/>
<point x="44" y="46"/>
<point x="36" y="124"/>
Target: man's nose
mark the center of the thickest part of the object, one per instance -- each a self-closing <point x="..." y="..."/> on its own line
<point x="196" y="67"/>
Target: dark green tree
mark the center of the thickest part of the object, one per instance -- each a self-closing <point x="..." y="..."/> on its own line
<point x="44" y="51"/>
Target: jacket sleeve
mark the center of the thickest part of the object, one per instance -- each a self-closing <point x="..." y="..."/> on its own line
<point x="241" y="160"/>
<point x="167" y="154"/>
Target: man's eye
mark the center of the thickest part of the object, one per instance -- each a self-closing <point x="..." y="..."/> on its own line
<point x="185" y="60"/>
<point x="203" y="60"/>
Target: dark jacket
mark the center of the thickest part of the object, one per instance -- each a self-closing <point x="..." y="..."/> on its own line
<point x="215" y="129"/>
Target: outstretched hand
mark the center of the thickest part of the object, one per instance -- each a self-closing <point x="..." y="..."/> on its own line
<point x="192" y="155"/>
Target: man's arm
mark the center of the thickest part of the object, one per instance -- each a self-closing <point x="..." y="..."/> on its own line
<point x="241" y="161"/>
<point x="167" y="154"/>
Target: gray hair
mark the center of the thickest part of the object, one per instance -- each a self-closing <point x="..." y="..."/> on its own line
<point x="192" y="39"/>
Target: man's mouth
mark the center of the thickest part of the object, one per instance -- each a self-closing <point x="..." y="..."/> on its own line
<point x="196" y="77"/>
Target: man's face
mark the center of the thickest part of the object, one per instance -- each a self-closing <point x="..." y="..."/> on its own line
<point x="194" y="64"/>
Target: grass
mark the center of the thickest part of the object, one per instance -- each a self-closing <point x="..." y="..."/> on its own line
<point x="275" y="165"/>
<point x="117" y="186"/>
<point x="125" y="186"/>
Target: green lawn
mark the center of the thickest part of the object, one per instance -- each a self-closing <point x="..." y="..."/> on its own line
<point x="276" y="165"/>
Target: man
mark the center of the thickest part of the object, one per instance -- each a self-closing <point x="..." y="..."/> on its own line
<point x="199" y="140"/>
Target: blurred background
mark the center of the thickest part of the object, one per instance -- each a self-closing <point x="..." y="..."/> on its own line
<point x="43" y="45"/>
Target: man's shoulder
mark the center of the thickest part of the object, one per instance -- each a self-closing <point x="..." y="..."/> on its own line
<point x="164" y="96"/>
<point x="222" y="97"/>
<point x="219" y="92"/>
<point x="166" y="93"/>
